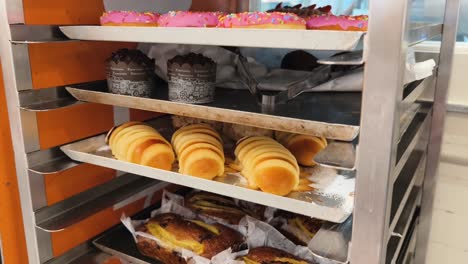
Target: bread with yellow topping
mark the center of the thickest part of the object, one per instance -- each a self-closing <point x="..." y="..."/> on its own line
<point x="299" y="229"/>
<point x="213" y="205"/>
<point x="176" y="233"/>
<point x="268" y="255"/>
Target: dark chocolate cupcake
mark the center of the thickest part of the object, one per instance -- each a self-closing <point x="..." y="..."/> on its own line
<point x="130" y="72"/>
<point x="301" y="11"/>
<point x="191" y="78"/>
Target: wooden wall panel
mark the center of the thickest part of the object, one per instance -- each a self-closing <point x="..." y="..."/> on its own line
<point x="96" y="224"/>
<point x="58" y="64"/>
<point x="11" y="220"/>
<point x="60" y="186"/>
<point x="73" y="123"/>
<point x="141" y="115"/>
<point x="62" y="12"/>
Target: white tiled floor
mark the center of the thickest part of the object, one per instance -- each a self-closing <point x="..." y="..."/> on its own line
<point x="449" y="234"/>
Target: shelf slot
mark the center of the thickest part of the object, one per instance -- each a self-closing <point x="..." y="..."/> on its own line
<point x="307" y="39"/>
<point x="420" y="32"/>
<point x="338" y="155"/>
<point x="405" y="182"/>
<point x="410" y="140"/>
<point x="26" y="34"/>
<point x="59" y="216"/>
<point x="46" y="99"/>
<point x="399" y="226"/>
<point x="332" y="115"/>
<point x="397" y="245"/>
<point x="50" y="161"/>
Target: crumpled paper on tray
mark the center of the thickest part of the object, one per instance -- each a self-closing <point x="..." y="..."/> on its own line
<point x="256" y="233"/>
<point x="267" y="72"/>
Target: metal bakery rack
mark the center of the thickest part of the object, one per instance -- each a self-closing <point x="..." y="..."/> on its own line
<point x="385" y="140"/>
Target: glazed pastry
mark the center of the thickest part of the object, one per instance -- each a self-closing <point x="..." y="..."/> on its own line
<point x="189" y="19"/>
<point x="342" y="23"/>
<point x="129" y="18"/>
<point x="273" y="20"/>
<point x="303" y="12"/>
<point x="213" y="205"/>
<point x="267" y="255"/>
<point x="267" y="165"/>
<point x="199" y="151"/>
<point x="299" y="229"/>
<point x="303" y="147"/>
<point x="177" y="233"/>
<point x="139" y="143"/>
<point x="130" y="72"/>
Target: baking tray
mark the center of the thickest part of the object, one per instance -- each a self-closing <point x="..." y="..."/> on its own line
<point x="265" y="38"/>
<point x="119" y="242"/>
<point x="334" y="115"/>
<point x="332" y="198"/>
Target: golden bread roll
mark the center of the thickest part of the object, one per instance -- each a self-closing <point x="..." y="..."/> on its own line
<point x="199" y="150"/>
<point x="210" y="204"/>
<point x="303" y="147"/>
<point x="267" y="165"/>
<point x="202" y="130"/>
<point x="136" y="148"/>
<point x="175" y="232"/>
<point x="203" y="163"/>
<point x="267" y="255"/>
<point x="254" y="146"/>
<point x="158" y="156"/>
<point x="275" y="176"/>
<point x="116" y="134"/>
<point x="139" y="143"/>
<point x="188" y="140"/>
<point x="115" y="130"/>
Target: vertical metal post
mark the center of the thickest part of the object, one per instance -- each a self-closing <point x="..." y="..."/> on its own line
<point x="383" y="84"/>
<point x="449" y="35"/>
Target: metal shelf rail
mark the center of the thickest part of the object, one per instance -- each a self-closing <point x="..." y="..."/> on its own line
<point x="399" y="140"/>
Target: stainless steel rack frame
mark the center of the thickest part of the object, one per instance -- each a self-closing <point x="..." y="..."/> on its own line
<point x="394" y="186"/>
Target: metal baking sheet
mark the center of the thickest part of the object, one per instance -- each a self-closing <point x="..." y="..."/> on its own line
<point x="119" y="242"/>
<point x="334" y="115"/>
<point x="264" y="38"/>
<point x="332" y="198"/>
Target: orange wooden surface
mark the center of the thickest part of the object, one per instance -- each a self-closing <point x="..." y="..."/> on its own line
<point x="11" y="220"/>
<point x="61" y="12"/>
<point x="96" y="224"/>
<point x="60" y="186"/>
<point x="57" y="64"/>
<point x="73" y="123"/>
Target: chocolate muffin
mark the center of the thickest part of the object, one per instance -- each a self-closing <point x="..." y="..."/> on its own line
<point x="303" y="12"/>
<point x="130" y="72"/>
<point x="191" y="78"/>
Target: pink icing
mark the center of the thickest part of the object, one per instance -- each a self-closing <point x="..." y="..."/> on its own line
<point x="120" y="17"/>
<point x="259" y="18"/>
<point x="189" y="19"/>
<point x="344" y="22"/>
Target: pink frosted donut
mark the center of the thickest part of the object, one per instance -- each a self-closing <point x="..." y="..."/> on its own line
<point x="129" y="18"/>
<point x="189" y="19"/>
<point x="331" y="22"/>
<point x="275" y="20"/>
